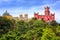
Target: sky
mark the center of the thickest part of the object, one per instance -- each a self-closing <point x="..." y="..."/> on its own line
<point x="17" y="7"/>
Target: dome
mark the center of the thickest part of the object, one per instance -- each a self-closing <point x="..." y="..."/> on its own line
<point x="6" y="13"/>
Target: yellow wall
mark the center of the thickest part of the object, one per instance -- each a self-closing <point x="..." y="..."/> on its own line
<point x="8" y="17"/>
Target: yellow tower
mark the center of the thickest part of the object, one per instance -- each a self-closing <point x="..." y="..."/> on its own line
<point x="7" y="15"/>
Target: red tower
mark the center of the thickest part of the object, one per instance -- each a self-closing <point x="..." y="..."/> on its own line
<point x="47" y="15"/>
<point x="47" y="11"/>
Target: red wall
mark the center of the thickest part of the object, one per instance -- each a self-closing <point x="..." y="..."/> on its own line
<point x="47" y="17"/>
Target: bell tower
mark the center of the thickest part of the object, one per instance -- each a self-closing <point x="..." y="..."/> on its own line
<point x="46" y="10"/>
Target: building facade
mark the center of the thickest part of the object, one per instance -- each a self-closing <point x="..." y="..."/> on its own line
<point x="25" y="17"/>
<point x="47" y="15"/>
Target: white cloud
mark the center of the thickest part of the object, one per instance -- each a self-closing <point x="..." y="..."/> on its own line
<point x="31" y="10"/>
<point x="57" y="14"/>
<point x="57" y="2"/>
<point x="40" y="9"/>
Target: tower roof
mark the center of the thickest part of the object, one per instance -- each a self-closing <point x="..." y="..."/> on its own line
<point x="47" y="7"/>
<point x="6" y="13"/>
<point x="21" y="15"/>
<point x="26" y="14"/>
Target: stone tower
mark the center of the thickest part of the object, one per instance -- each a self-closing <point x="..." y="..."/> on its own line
<point x="21" y="17"/>
<point x="25" y="16"/>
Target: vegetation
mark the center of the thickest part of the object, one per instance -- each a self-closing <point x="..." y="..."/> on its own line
<point x="28" y="30"/>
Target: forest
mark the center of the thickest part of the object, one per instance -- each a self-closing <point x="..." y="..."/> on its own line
<point x="28" y="30"/>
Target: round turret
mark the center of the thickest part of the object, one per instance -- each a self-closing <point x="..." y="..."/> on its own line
<point x="26" y="16"/>
<point x="21" y="15"/>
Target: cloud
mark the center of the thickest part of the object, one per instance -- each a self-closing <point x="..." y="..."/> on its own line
<point x="40" y="9"/>
<point x="57" y="2"/>
<point x="15" y="7"/>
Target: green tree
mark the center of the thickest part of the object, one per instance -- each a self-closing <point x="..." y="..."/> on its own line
<point x="48" y="34"/>
<point x="5" y="25"/>
<point x="58" y="31"/>
<point x="22" y="26"/>
<point x="54" y="23"/>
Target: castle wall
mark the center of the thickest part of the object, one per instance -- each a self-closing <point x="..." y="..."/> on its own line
<point x="47" y="17"/>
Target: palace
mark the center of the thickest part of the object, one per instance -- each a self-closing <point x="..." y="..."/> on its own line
<point x="25" y="17"/>
<point x="7" y="15"/>
<point x="47" y="17"/>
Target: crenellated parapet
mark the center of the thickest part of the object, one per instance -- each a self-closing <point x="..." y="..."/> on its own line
<point x="48" y="16"/>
